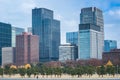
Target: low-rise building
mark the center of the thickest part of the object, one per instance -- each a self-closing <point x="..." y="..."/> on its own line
<point x="113" y="56"/>
<point x="8" y="55"/>
<point x="68" y="52"/>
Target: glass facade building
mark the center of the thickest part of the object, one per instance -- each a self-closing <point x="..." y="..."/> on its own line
<point x="16" y="31"/>
<point x="5" y="37"/>
<point x="90" y="42"/>
<point x="68" y="52"/>
<point x="109" y="45"/>
<point x="92" y="15"/>
<point x="48" y="30"/>
<point x="72" y="37"/>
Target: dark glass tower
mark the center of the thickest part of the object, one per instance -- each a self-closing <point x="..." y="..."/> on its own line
<point x="92" y="15"/>
<point x="48" y="30"/>
<point x="5" y="37"/>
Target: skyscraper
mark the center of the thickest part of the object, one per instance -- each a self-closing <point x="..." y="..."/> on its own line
<point x="91" y="33"/>
<point x="89" y="42"/>
<point x="16" y="31"/>
<point x="109" y="45"/>
<point x="5" y="37"/>
<point x="27" y="49"/>
<point x="48" y="30"/>
<point x="72" y="37"/>
<point x="92" y="15"/>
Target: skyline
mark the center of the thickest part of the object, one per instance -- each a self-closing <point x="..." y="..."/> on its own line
<point x="18" y="13"/>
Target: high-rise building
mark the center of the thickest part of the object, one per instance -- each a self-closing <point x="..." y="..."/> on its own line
<point x="109" y="45"/>
<point x="72" y="37"/>
<point x="29" y="29"/>
<point x="89" y="42"/>
<point x="91" y="33"/>
<point x="5" y="37"/>
<point x="68" y="52"/>
<point x="16" y="31"/>
<point x="8" y="55"/>
<point x="27" y="49"/>
<point x="92" y="15"/>
<point x="48" y="30"/>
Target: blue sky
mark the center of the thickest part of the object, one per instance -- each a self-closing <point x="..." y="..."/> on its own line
<point x="18" y="13"/>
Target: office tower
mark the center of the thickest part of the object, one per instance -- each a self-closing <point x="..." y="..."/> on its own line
<point x="72" y="37"/>
<point x="91" y="17"/>
<point x="68" y="52"/>
<point x="29" y="29"/>
<point x="48" y="30"/>
<point x="16" y="31"/>
<point x="5" y="37"/>
<point x="109" y="45"/>
<point x="8" y="55"/>
<point x="90" y="42"/>
<point x="27" y="49"/>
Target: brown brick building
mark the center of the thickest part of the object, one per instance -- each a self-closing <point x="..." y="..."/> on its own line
<point x="27" y="49"/>
<point x="113" y="56"/>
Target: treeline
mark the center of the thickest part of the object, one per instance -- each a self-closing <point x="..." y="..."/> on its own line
<point x="57" y="69"/>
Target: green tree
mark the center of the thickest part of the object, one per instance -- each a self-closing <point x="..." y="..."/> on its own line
<point x="29" y="72"/>
<point x="10" y="72"/>
<point x="6" y="70"/>
<point x="13" y="71"/>
<point x="108" y="70"/>
<point x="102" y="70"/>
<point x="59" y="71"/>
<point x="42" y="70"/>
<point x="1" y="71"/>
<point x="47" y="71"/>
<point x="79" y="71"/>
<point x="72" y="72"/>
<point x="98" y="71"/>
<point x="113" y="70"/>
<point x="35" y="71"/>
<point x="22" y="72"/>
<point x="90" y="70"/>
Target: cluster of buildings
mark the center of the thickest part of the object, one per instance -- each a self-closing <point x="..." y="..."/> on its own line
<point x="42" y="41"/>
<point x="89" y="41"/>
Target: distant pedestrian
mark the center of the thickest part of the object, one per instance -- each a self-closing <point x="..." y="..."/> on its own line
<point x="37" y="77"/>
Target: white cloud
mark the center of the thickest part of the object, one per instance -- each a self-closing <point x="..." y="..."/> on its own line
<point x="58" y="17"/>
<point x="109" y="25"/>
<point x="27" y="5"/>
<point x="114" y="12"/>
<point x="71" y="23"/>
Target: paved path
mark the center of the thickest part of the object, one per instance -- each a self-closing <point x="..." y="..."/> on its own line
<point x="60" y="79"/>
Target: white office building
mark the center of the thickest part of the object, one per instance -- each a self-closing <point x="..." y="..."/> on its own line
<point x="8" y="54"/>
<point x="68" y="52"/>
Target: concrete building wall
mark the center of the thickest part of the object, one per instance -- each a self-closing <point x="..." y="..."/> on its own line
<point x="68" y="52"/>
<point x="8" y="54"/>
